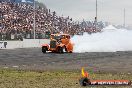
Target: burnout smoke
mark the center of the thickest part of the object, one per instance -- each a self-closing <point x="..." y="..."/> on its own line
<point x="110" y="40"/>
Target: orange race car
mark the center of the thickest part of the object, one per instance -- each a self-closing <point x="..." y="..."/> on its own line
<point x="59" y="43"/>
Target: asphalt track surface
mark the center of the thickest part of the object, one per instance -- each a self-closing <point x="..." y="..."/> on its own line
<point x="34" y="59"/>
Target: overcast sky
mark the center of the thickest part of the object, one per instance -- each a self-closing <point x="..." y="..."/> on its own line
<point x="108" y="10"/>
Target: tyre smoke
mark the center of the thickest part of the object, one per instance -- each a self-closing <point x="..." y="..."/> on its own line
<point x="109" y="40"/>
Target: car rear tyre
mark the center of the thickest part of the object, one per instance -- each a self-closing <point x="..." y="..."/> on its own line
<point x="61" y="50"/>
<point x="70" y="52"/>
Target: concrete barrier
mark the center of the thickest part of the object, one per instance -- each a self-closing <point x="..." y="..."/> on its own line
<point x="26" y="43"/>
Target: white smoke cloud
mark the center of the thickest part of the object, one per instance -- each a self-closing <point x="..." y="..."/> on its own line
<point x="110" y="40"/>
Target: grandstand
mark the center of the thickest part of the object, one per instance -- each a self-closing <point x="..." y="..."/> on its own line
<point x="17" y="20"/>
<point x="11" y="0"/>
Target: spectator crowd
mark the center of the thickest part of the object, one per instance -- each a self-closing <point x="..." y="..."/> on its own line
<point x="17" y="22"/>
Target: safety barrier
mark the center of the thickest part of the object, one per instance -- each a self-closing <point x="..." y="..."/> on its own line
<point x="26" y="43"/>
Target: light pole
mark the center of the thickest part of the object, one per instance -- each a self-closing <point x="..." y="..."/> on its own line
<point x="96" y="10"/>
<point x="96" y="15"/>
<point x="34" y="21"/>
<point x="124" y="24"/>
